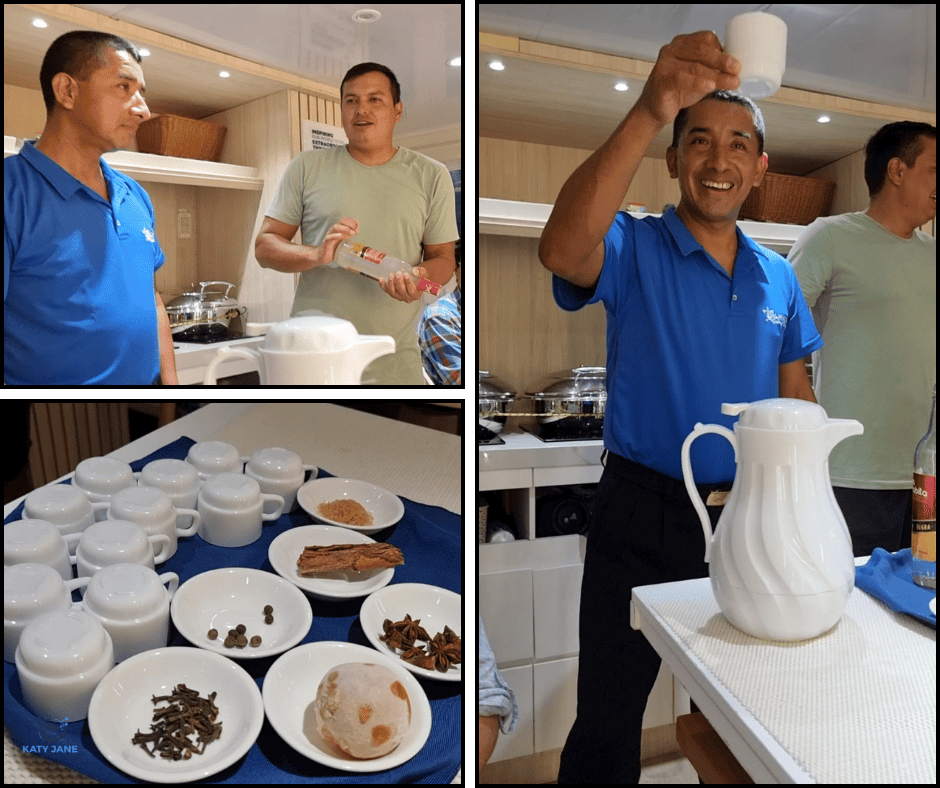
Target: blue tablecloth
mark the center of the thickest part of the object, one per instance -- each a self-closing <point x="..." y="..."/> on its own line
<point x="430" y="539"/>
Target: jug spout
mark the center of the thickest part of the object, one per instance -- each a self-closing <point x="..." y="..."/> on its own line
<point x="837" y="430"/>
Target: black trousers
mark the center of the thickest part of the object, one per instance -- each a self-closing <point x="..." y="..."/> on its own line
<point x="876" y="518"/>
<point x="644" y="531"/>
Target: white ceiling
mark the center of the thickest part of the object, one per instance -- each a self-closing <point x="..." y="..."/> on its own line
<point x="317" y="41"/>
<point x="879" y="53"/>
<point x="869" y="51"/>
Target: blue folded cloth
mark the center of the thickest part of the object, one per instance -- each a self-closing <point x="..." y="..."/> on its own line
<point x="888" y="577"/>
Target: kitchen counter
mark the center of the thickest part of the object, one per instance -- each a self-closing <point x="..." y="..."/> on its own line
<point x="524" y="450"/>
<point x="855" y="705"/>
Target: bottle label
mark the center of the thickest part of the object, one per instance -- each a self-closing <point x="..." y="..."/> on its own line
<point x="428" y="286"/>
<point x="367" y="253"/>
<point x="924" y="518"/>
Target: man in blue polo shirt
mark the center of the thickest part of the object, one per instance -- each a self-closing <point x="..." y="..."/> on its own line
<point x="80" y="251"/>
<point x="697" y="315"/>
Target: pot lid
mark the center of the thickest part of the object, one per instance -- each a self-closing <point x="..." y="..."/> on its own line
<point x="580" y="383"/>
<point x="203" y="298"/>
<point x="787" y="415"/>
<point x="491" y="387"/>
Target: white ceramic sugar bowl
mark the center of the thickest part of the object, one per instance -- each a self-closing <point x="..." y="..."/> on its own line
<point x="61" y="658"/>
<point x="232" y="509"/>
<point x="133" y="605"/>
<point x="279" y="472"/>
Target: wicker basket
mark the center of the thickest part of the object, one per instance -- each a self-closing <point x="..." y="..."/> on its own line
<point x="788" y="199"/>
<point x="171" y="135"/>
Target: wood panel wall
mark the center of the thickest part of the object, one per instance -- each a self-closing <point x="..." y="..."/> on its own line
<point x="65" y="433"/>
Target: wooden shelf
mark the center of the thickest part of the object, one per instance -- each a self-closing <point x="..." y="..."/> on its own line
<point x="170" y="169"/>
<point x="526" y="220"/>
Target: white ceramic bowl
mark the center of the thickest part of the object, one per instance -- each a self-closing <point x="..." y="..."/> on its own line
<point x="223" y="598"/>
<point x="121" y="706"/>
<point x="434" y="607"/>
<point x="290" y="686"/>
<point x="330" y="586"/>
<point x="386" y="508"/>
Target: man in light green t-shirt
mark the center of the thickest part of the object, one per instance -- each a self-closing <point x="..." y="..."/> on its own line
<point x="870" y="279"/>
<point x="390" y="198"/>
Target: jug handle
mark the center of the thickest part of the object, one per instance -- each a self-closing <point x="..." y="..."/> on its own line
<point x="698" y="430"/>
<point x="225" y="353"/>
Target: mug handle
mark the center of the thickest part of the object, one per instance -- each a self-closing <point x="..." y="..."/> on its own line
<point x="279" y="500"/>
<point x="164" y="551"/>
<point x="192" y="527"/>
<point x="173" y="579"/>
<point x="225" y="353"/>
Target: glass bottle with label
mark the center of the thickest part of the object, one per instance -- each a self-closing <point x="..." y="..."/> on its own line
<point x="377" y="265"/>
<point x="924" y="510"/>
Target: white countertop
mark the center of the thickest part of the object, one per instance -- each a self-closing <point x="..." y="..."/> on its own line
<point x="524" y="450"/>
<point x="417" y="462"/>
<point x="855" y="705"/>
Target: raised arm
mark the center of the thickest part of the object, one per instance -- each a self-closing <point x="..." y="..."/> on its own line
<point x="572" y="243"/>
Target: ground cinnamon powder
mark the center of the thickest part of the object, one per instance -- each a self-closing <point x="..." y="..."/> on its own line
<point x="346" y="511"/>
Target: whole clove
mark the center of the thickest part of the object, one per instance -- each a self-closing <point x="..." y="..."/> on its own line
<point x="187" y="715"/>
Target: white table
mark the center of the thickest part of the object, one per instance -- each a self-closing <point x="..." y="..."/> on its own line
<point x="415" y="462"/>
<point x="844" y="707"/>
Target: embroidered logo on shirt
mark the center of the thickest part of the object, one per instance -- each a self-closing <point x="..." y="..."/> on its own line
<point x="148" y="234"/>
<point x="772" y="317"/>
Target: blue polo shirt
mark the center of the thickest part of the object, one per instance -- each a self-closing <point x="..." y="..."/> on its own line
<point x="683" y="337"/>
<point x="77" y="277"/>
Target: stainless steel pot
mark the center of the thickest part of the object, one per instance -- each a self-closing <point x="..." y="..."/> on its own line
<point x="579" y="393"/>
<point x="494" y="400"/>
<point x="204" y="312"/>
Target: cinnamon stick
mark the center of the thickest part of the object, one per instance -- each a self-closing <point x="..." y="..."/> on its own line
<point x="358" y="557"/>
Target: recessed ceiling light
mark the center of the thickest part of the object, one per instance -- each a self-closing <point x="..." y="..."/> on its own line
<point x="823" y="119"/>
<point x="144" y="52"/>
<point x="40" y="23"/>
<point x="497" y="65"/>
<point x="366" y="15"/>
<point x="455" y="61"/>
<point x="224" y="74"/>
<point x="621" y="86"/>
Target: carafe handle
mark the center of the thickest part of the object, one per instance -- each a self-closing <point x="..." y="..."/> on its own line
<point x="701" y="429"/>
<point x="224" y="353"/>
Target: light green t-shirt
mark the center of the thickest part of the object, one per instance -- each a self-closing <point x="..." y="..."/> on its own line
<point x="874" y="300"/>
<point x="400" y="205"/>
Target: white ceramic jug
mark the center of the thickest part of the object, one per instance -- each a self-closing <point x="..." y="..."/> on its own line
<point x="309" y="350"/>
<point x="780" y="560"/>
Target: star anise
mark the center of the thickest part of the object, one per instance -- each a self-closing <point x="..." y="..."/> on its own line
<point x="416" y="656"/>
<point x="450" y="636"/>
<point x="444" y="654"/>
<point x="392" y="637"/>
<point x="413" y="630"/>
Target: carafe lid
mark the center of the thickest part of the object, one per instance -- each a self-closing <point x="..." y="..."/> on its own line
<point x="782" y="414"/>
<point x="311" y="334"/>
